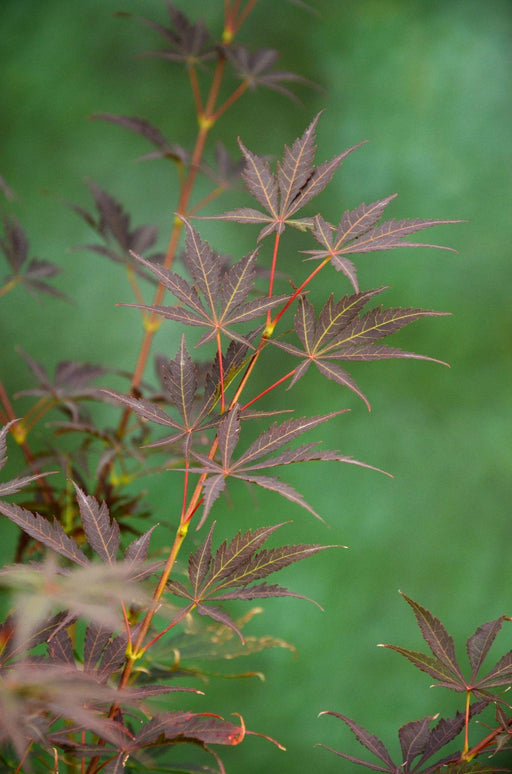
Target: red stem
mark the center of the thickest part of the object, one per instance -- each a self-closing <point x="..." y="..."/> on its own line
<point x="272" y="386"/>
<point x="196" y="91"/>
<point x="272" y="273"/>
<point x="486" y="742"/>
<point x="230" y="100"/>
<point x="245" y="13"/>
<point x="181" y="615"/>
<point x="298" y="291"/>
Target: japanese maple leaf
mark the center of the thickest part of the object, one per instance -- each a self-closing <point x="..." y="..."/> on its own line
<point x="341" y="334"/>
<point x="218" y="299"/>
<point x="418" y="743"/>
<point x="256" y="68"/>
<point x="283" y="194"/>
<point x="234" y="569"/>
<point x="188" y="41"/>
<point x="113" y="225"/>
<point x="180" y="381"/>
<point x="267" y="443"/>
<point x="31" y="273"/>
<point x="70" y="384"/>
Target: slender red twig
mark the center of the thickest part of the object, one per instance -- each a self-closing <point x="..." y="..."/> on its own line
<point x="246" y="11"/>
<point x="196" y="91"/>
<point x="273" y="273"/>
<point x="241" y="89"/>
<point x="272" y="387"/>
<point x="298" y="292"/>
<point x="181" y="615"/>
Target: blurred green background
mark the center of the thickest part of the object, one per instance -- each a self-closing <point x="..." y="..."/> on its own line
<point x="429" y="85"/>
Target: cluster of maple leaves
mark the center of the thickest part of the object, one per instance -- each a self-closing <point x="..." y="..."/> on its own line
<point x="50" y="668"/>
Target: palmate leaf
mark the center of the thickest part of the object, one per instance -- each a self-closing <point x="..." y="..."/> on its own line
<point x="113" y="225"/>
<point x="444" y="667"/>
<point x="94" y="592"/>
<point x="29" y="273"/>
<point x="416" y="739"/>
<point x="188" y="42"/>
<point x="341" y="334"/>
<point x="268" y="442"/>
<point x="225" y="171"/>
<point x="357" y="232"/>
<point x="236" y="565"/>
<point x="70" y="384"/>
<point x="256" y="68"/>
<point x="179" y="378"/>
<point x="219" y="302"/>
<point x="283" y="195"/>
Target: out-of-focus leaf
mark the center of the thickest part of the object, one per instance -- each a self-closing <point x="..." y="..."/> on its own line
<point x="29" y="273"/>
<point x="166" y="149"/>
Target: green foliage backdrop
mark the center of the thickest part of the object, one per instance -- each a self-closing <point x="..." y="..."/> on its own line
<point x="428" y="84"/>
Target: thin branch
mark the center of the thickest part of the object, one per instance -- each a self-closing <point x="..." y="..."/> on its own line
<point x="272" y="387"/>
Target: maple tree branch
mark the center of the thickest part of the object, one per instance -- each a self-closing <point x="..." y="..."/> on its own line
<point x="246" y="11"/>
<point x="184" y="197"/>
<point x="241" y="89"/>
<point x="132" y="279"/>
<point x="4" y="398"/>
<point x="23" y="759"/>
<point x="196" y="91"/>
<point x="486" y="742"/>
<point x="181" y="615"/>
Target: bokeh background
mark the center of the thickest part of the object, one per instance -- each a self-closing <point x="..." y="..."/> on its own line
<point x="428" y="84"/>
